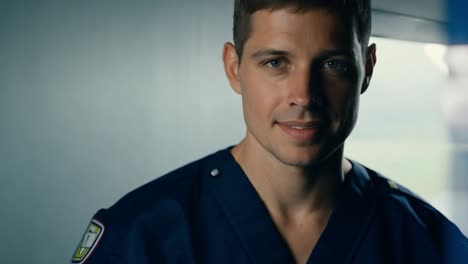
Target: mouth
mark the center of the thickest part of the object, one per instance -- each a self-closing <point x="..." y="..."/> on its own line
<point x="303" y="131"/>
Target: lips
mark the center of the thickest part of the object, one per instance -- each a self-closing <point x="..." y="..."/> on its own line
<point x="302" y="131"/>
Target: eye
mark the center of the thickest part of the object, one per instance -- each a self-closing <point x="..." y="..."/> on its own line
<point x="337" y="66"/>
<point x="274" y="63"/>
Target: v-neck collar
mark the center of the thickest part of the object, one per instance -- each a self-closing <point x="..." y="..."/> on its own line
<point x="247" y="213"/>
<point x="257" y="232"/>
<point x="349" y="220"/>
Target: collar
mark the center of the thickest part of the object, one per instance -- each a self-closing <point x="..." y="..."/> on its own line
<point x="259" y="236"/>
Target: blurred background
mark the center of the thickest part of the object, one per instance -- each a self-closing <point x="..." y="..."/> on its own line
<point x="100" y="97"/>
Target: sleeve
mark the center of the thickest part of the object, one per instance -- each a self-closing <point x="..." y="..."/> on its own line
<point x="121" y="234"/>
<point x="94" y="245"/>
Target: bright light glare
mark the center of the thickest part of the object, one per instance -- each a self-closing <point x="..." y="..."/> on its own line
<point x="455" y="100"/>
<point x="436" y="54"/>
<point x="457" y="59"/>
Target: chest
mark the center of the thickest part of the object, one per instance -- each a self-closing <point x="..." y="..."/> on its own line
<point x="301" y="240"/>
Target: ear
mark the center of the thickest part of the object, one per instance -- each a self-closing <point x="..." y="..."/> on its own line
<point x="231" y="66"/>
<point x="371" y="60"/>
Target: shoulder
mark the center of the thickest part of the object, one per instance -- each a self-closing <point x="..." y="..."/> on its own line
<point x="389" y="191"/>
<point x="407" y="214"/>
<point x="176" y="187"/>
<point x="402" y="200"/>
<point x="399" y="199"/>
<point x="156" y="211"/>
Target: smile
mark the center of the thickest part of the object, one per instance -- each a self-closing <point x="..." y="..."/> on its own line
<point x="302" y="132"/>
<point x="298" y="127"/>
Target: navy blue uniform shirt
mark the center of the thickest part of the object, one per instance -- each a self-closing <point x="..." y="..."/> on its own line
<point x="208" y="212"/>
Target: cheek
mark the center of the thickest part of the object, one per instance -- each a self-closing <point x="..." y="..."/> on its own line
<point x="343" y="101"/>
<point x="260" y="97"/>
<point x="338" y="97"/>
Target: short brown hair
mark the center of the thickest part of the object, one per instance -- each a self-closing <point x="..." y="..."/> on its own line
<point x="359" y="10"/>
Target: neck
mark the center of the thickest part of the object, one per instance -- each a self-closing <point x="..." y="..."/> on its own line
<point x="292" y="192"/>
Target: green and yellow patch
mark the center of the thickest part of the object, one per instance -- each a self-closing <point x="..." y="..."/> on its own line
<point x="89" y="242"/>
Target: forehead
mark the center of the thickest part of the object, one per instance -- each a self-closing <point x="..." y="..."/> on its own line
<point x="310" y="29"/>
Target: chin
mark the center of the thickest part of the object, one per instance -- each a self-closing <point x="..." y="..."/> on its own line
<point x="299" y="156"/>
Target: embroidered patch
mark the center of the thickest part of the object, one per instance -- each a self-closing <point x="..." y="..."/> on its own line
<point x="89" y="242"/>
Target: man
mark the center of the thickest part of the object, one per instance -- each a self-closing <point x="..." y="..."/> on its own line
<point x="285" y="193"/>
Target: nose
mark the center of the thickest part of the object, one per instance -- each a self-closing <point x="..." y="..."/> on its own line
<point x="305" y="89"/>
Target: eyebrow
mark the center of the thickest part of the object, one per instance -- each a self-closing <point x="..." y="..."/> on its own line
<point x="324" y="54"/>
<point x="269" y="52"/>
<point x="333" y="53"/>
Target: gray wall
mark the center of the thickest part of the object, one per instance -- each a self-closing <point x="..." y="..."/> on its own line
<point x="96" y="98"/>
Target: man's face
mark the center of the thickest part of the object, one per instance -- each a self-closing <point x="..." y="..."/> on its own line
<point x="300" y="78"/>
